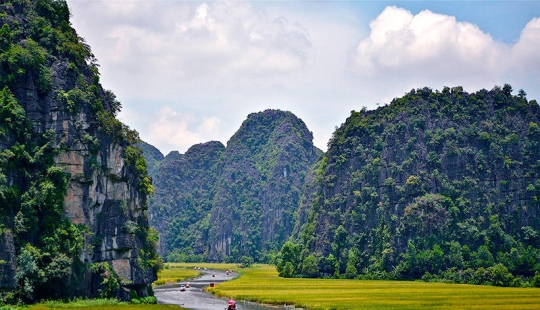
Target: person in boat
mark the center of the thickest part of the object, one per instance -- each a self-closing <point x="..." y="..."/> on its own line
<point x="232" y="305"/>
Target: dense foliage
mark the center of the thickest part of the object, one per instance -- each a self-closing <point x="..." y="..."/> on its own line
<point x="185" y="186"/>
<point x="436" y="185"/>
<point x="234" y="203"/>
<point x="32" y="189"/>
<point x="38" y="45"/>
<point x="263" y="171"/>
<point x="152" y="156"/>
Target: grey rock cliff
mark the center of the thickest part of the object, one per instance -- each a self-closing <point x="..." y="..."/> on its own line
<point x="105" y="191"/>
<point x="8" y="260"/>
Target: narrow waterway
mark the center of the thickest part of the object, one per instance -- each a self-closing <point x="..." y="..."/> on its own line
<point x="197" y="299"/>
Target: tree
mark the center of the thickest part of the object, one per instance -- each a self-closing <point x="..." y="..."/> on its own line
<point x="287" y="271"/>
<point x="27" y="273"/>
<point x="290" y="254"/>
<point x="350" y="271"/>
<point x="455" y="257"/>
<point x="436" y="260"/>
<point x="483" y="257"/>
<point x="309" y="266"/>
<point x="246" y="261"/>
<point x="501" y="276"/>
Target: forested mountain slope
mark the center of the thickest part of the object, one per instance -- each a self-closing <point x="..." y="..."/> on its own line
<point x="152" y="155"/>
<point x="441" y="182"/>
<point x="184" y="192"/>
<point x="223" y="203"/>
<point x="73" y="188"/>
<point x="260" y="183"/>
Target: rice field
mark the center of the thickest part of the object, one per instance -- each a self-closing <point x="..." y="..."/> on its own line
<point x="211" y="266"/>
<point x="173" y="273"/>
<point x="176" y="272"/>
<point x="262" y="284"/>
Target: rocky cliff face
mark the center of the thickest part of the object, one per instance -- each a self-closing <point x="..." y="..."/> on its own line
<point x="185" y="187"/>
<point x="433" y="173"/>
<point x="221" y="203"/>
<point x="105" y="184"/>
<point x="261" y="178"/>
<point x="8" y="261"/>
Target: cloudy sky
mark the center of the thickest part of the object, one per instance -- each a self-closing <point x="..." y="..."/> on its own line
<point x="189" y="72"/>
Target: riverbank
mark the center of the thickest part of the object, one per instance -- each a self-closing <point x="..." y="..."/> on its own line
<point x="194" y="296"/>
<point x="198" y="295"/>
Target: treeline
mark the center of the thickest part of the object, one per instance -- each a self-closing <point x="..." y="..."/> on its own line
<point x="438" y="185"/>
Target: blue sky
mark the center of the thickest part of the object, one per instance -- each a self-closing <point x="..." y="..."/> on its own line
<point x="189" y="72"/>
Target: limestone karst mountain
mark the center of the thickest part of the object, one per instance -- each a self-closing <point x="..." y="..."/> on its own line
<point x="437" y="183"/>
<point x="73" y="187"/>
<point x="222" y="203"/>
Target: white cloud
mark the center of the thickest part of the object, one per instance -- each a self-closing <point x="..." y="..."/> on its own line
<point x="173" y="130"/>
<point x="526" y="52"/>
<point x="213" y="63"/>
<point x="405" y="51"/>
<point x="194" y="40"/>
<point x="427" y="45"/>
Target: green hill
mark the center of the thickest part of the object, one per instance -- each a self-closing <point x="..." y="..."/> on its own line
<point x="222" y="203"/>
<point x="436" y="183"/>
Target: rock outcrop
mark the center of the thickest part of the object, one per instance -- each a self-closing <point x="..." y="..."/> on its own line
<point x="222" y="203"/>
<point x="184" y="190"/>
<point x="260" y="185"/>
<point x="8" y="260"/>
<point x="106" y="185"/>
<point x="436" y="182"/>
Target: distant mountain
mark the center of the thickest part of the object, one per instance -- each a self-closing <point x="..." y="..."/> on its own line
<point x="220" y="203"/>
<point x="184" y="192"/>
<point x="152" y="155"/>
<point x="260" y="182"/>
<point x="443" y="183"/>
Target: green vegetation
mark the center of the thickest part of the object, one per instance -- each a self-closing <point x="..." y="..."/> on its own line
<point x="107" y="304"/>
<point x="262" y="284"/>
<point x="31" y="205"/>
<point x="36" y="43"/>
<point x="245" y="193"/>
<point x="184" y="187"/>
<point x="440" y="186"/>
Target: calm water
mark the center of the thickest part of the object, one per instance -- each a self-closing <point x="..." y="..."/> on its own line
<point x="195" y="298"/>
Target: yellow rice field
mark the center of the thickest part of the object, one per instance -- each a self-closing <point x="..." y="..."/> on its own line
<point x="172" y="274"/>
<point x="261" y="283"/>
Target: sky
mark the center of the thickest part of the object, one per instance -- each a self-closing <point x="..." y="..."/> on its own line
<point x="189" y="72"/>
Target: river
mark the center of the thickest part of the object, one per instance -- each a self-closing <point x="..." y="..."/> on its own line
<point x="197" y="299"/>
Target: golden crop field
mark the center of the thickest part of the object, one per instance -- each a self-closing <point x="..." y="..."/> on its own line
<point x="214" y="266"/>
<point x="109" y="307"/>
<point x="261" y="283"/>
<point x="173" y="273"/>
